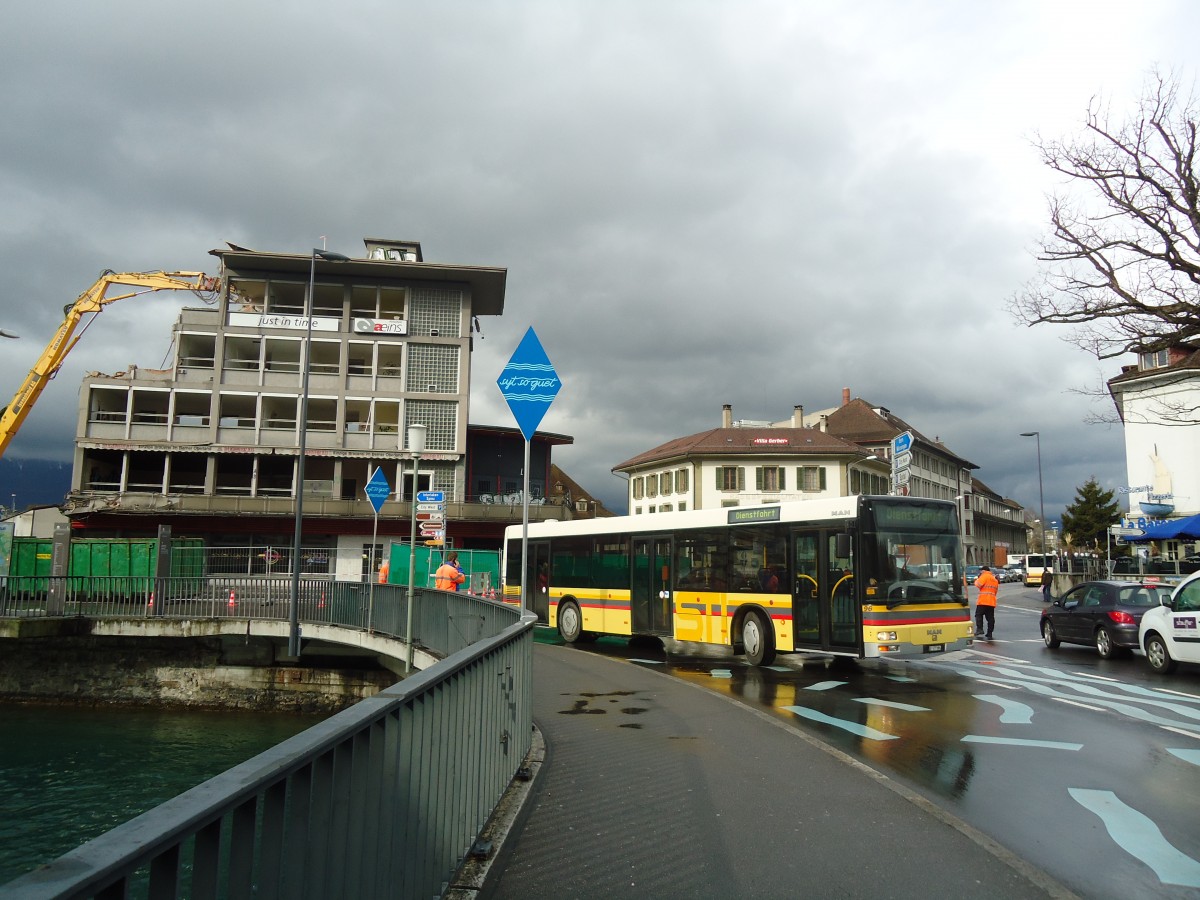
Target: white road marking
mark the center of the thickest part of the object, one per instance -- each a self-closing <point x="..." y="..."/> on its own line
<point x="648" y="662"/>
<point x="844" y="724"/>
<point x="1077" y="703"/>
<point x="1020" y="742"/>
<point x="824" y="685"/>
<point x="721" y="673"/>
<point x="891" y="704"/>
<point x="1138" y="836"/>
<point x="1014" y="713"/>
<point x="1192" y="756"/>
<point x="1190" y="734"/>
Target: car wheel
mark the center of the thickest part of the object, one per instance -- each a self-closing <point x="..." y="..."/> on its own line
<point x="1049" y="635"/>
<point x="1158" y="656"/>
<point x="759" y="639"/>
<point x="570" y="621"/>
<point x="1104" y="643"/>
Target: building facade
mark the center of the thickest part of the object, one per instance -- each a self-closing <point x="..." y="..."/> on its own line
<point x="836" y="452"/>
<point x="749" y="463"/>
<point x="211" y="445"/>
<point x="1157" y="400"/>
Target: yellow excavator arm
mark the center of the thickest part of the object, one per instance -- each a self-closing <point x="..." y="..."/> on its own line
<point x="93" y="300"/>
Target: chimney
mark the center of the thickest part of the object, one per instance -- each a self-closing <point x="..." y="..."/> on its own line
<point x="726" y="416"/>
<point x="797" y="416"/>
<point x="845" y="396"/>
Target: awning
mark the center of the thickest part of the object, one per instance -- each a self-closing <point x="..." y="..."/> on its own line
<point x="1176" y="529"/>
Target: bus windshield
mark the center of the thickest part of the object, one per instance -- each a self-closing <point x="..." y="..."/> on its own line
<point x="911" y="554"/>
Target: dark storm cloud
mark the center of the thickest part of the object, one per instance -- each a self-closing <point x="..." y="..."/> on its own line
<point x="698" y="203"/>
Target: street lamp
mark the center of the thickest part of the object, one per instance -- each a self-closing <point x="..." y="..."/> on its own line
<point x="294" y="606"/>
<point x="1041" y="495"/>
<point x="416" y="443"/>
<point x="4" y="333"/>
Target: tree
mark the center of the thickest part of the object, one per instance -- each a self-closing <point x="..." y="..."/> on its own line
<point x="1089" y="517"/>
<point x="1122" y="256"/>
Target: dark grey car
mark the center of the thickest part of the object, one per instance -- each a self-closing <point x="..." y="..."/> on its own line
<point x="1102" y="614"/>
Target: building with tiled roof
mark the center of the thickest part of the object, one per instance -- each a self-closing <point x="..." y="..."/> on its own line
<point x="742" y="464"/>
<point x="837" y="452"/>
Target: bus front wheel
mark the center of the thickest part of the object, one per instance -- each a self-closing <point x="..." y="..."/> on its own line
<point x="759" y="639"/>
<point x="570" y="622"/>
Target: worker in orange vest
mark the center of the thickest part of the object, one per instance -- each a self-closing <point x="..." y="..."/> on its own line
<point x="383" y="572"/>
<point x="985" y="605"/>
<point x="448" y="575"/>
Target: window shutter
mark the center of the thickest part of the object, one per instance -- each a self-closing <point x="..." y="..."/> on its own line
<point x="782" y="478"/>
<point x="720" y="478"/>
<point x="741" y="478"/>
<point x="758" y="478"/>
<point x="821" y="477"/>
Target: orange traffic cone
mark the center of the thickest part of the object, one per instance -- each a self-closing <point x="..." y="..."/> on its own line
<point x="150" y="603"/>
<point x="232" y="599"/>
<point x="321" y="605"/>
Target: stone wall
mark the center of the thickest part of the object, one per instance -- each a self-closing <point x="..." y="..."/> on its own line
<point x="202" y="672"/>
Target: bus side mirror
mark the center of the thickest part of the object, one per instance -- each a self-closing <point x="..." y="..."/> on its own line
<point x="842" y="546"/>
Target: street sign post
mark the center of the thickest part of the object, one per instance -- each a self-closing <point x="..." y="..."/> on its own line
<point x="529" y="385"/>
<point x="377" y="491"/>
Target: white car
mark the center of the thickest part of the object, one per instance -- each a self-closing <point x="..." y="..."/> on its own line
<point x="1170" y="634"/>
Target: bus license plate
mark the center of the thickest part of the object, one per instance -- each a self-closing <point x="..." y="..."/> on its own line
<point x="934" y="648"/>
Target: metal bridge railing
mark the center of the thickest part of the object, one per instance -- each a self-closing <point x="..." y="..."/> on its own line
<point x="381" y="800"/>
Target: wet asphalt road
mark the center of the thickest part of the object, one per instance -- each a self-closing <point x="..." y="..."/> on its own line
<point x="1087" y="768"/>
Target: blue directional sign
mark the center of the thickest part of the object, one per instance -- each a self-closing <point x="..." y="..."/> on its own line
<point x="529" y="384"/>
<point x="378" y="490"/>
<point x="902" y="442"/>
<point x="431" y="496"/>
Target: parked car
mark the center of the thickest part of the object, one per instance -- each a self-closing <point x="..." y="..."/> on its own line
<point x="1102" y="614"/>
<point x="1011" y="574"/>
<point x="971" y="573"/>
<point x="1169" y="633"/>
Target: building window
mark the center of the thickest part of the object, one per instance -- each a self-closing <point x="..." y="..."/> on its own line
<point x="855" y="481"/>
<point x="666" y="507"/>
<point x="682" y="507"/>
<point x="681" y="481"/>
<point x="664" y="483"/>
<point x="811" y="478"/>
<point x="651" y="486"/>
<point x="769" y="478"/>
<point x="731" y="478"/>
<point x="637" y="488"/>
<point x="1155" y="360"/>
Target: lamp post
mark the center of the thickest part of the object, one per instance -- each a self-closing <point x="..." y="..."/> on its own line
<point x="294" y="604"/>
<point x="416" y="443"/>
<point x="1041" y="494"/>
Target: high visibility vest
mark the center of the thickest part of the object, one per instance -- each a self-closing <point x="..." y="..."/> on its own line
<point x="988" y="586"/>
<point x="447" y="578"/>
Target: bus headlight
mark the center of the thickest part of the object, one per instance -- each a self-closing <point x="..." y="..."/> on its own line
<point x="885" y="636"/>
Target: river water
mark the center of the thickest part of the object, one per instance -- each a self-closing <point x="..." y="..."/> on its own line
<point x="70" y="774"/>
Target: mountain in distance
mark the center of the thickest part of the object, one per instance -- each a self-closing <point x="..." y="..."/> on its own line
<point x="33" y="482"/>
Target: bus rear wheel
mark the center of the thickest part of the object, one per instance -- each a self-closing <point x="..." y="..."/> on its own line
<point x="570" y="622"/>
<point x="759" y="639"/>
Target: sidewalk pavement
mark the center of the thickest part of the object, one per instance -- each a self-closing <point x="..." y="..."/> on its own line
<point x="655" y="787"/>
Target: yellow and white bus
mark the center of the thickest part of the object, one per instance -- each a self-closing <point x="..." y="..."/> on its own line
<point x="1035" y="565"/>
<point x="862" y="576"/>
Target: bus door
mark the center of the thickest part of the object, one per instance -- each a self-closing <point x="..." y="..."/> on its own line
<point x="826" y="613"/>
<point x="537" y="580"/>
<point x="650" y="600"/>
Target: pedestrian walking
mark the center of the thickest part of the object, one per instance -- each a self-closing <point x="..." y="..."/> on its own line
<point x="1047" y="578"/>
<point x="985" y="605"/>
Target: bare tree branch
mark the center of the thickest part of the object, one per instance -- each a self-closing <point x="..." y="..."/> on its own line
<point x="1122" y="253"/>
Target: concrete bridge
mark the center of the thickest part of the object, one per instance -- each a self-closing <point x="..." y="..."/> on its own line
<point x="384" y="799"/>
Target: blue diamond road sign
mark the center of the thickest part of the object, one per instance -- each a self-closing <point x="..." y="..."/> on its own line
<point x="529" y="384"/>
<point x="378" y="490"/>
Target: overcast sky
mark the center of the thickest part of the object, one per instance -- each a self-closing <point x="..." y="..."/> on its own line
<point x="698" y="203"/>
